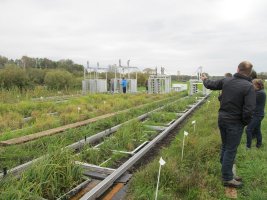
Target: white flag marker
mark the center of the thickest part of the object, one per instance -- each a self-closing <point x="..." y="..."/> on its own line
<point x="79" y="109"/>
<point x="185" y="134"/>
<point x="194" y="122"/>
<point x="161" y="163"/>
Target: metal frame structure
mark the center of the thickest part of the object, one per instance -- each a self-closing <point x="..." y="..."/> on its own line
<point x="193" y="83"/>
<point x="126" y="72"/>
<point x="159" y="83"/>
<point x="92" y="83"/>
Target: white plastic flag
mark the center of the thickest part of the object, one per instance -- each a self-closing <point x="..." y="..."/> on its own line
<point x="79" y="109"/>
<point x="194" y="122"/>
<point x="185" y="134"/>
<point x="161" y="163"/>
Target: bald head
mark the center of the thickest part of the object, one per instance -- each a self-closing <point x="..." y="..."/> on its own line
<point x="245" y="68"/>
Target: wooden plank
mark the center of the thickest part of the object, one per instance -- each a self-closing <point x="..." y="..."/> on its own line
<point x="90" y="186"/>
<point x="75" y="190"/>
<point x="95" y="168"/>
<point x="231" y="192"/>
<point x="156" y="128"/>
<point x="113" y="191"/>
<point x="53" y="131"/>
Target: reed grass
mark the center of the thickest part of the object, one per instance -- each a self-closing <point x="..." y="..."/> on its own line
<point x="49" y="178"/>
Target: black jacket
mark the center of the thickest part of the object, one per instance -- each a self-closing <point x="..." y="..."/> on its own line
<point x="260" y="103"/>
<point x="238" y="98"/>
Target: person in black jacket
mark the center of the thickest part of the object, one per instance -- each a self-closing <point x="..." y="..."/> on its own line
<point x="254" y="127"/>
<point x="225" y="75"/>
<point x="236" y="108"/>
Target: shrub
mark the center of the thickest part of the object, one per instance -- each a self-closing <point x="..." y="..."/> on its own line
<point x="58" y="80"/>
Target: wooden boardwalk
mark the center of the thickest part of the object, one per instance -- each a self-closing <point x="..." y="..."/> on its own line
<point x="53" y="131"/>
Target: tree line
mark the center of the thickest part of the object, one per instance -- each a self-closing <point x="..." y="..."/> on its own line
<point x="27" y="72"/>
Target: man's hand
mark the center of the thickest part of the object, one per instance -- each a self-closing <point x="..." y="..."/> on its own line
<point x="203" y="76"/>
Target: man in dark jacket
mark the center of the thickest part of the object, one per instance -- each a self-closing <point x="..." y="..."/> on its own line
<point x="237" y="104"/>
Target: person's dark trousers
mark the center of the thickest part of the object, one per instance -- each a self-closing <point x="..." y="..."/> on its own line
<point x="231" y="137"/>
<point x="124" y="89"/>
<point x="254" y="127"/>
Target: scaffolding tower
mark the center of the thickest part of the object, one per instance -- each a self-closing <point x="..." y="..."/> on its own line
<point x="129" y="73"/>
<point x="196" y="84"/>
<point x="159" y="83"/>
<point x="92" y="82"/>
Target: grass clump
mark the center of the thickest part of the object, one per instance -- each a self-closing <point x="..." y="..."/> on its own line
<point x="49" y="178"/>
<point x="160" y="118"/>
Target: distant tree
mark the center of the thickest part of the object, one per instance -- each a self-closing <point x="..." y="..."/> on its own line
<point x="141" y="78"/>
<point x="58" y="79"/>
<point x="3" y="61"/>
<point x="28" y="62"/>
<point x="13" y="76"/>
<point x="45" y="63"/>
<point x="149" y="71"/>
<point x="262" y="75"/>
<point x="70" y="66"/>
<point x="36" y="76"/>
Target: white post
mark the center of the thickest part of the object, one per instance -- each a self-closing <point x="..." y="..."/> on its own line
<point x="185" y="134"/>
<point x="161" y="162"/>
<point x="156" y="197"/>
<point x="194" y="122"/>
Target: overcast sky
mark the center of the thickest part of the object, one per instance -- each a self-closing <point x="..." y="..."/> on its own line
<point x="176" y="34"/>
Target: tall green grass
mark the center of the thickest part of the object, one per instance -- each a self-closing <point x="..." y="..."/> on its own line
<point x="49" y="178"/>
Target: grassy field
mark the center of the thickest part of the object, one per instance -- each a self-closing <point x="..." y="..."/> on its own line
<point x="198" y="175"/>
<point x="26" y="117"/>
<point x="56" y="173"/>
<point x="11" y="156"/>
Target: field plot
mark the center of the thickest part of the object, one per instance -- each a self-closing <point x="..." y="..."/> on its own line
<point x="125" y="142"/>
<point x="11" y="156"/>
<point x="27" y="117"/>
<point x="198" y="175"/>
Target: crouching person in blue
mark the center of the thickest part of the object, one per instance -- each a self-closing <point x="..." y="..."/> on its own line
<point x="254" y="127"/>
<point x="237" y="104"/>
